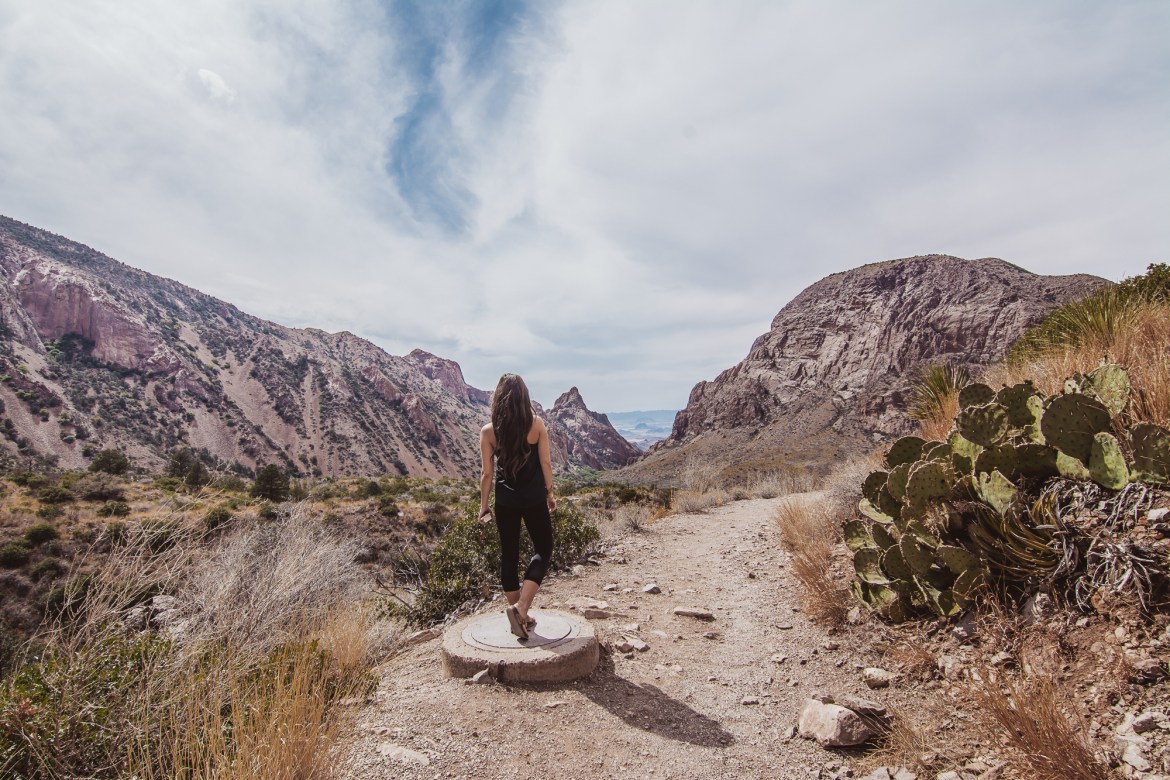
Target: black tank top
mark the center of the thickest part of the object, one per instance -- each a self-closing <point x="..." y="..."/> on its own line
<point x="528" y="486"/>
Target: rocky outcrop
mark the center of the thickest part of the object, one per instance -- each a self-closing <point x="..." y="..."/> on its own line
<point x="838" y="362"/>
<point x="587" y="438"/>
<point x="95" y="354"/>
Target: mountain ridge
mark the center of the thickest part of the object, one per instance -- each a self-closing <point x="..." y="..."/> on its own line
<point x="96" y="353"/>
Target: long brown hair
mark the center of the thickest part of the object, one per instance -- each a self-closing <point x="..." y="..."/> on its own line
<point x="511" y="420"/>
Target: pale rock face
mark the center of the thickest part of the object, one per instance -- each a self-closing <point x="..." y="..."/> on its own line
<point x="840" y="358"/>
<point x="588" y="438"/>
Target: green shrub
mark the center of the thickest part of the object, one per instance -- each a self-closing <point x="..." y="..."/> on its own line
<point x="14" y="555"/>
<point x="160" y="534"/>
<point x="113" y="509"/>
<point x="115" y="531"/>
<point x="54" y="494"/>
<point x="466" y="561"/>
<point x="217" y="518"/>
<point x="387" y="507"/>
<point x="271" y="484"/>
<point x="29" y="479"/>
<point x="110" y="461"/>
<point x="50" y="511"/>
<point x="98" y="486"/>
<point x="48" y="568"/>
<point x="40" y="533"/>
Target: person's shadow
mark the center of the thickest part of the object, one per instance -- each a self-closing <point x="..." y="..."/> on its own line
<point x="648" y="708"/>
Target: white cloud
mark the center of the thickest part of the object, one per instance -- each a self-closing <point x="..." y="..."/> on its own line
<point x="646" y="184"/>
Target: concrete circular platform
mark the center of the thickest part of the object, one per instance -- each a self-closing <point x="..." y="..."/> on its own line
<point x="561" y="647"/>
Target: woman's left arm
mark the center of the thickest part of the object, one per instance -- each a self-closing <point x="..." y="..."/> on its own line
<point x="546" y="466"/>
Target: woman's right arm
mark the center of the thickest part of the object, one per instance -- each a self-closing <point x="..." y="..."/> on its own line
<point x="487" y="446"/>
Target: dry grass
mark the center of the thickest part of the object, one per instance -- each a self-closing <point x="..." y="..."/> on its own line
<point x="1139" y="340"/>
<point x="809" y="535"/>
<point x="701" y="475"/>
<point x="273" y="634"/>
<point x="842" y="487"/>
<point x="694" y="502"/>
<point x="902" y="743"/>
<point x="1042" y="741"/>
<point x="936" y="424"/>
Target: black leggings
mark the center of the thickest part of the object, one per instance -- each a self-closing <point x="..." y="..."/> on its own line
<point x="539" y="525"/>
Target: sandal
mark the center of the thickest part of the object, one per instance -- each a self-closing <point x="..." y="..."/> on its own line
<point x="516" y="623"/>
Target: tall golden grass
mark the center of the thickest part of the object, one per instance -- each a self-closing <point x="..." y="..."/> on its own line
<point x="1043" y="743"/>
<point x="269" y="635"/>
<point x="1136" y="336"/>
<point x="809" y="535"/>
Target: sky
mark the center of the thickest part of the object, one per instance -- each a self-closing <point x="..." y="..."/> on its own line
<point x="613" y="195"/>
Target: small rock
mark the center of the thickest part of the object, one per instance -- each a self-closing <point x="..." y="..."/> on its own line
<point x="624" y="646"/>
<point x="1133" y="756"/>
<point x="876" y="678"/>
<point x="853" y="616"/>
<point x="779" y="659"/>
<point x="866" y="707"/>
<point x="788" y="733"/>
<point x="750" y="700"/>
<point x="652" y="588"/>
<point x="403" y="754"/>
<point x="1157" y="515"/>
<point x="1082" y="622"/>
<point x="950" y="666"/>
<point x="1147" y="721"/>
<point x="832" y="725"/>
<point x="831" y="645"/>
<point x="639" y="645"/>
<point x="425" y="635"/>
<point x="710" y="634"/>
<point x="482" y="677"/>
<point x="1002" y="659"/>
<point x="611" y="586"/>
<point x="596" y="614"/>
<point x="1148" y="670"/>
<point x="785" y="626"/>
<point x="952" y="775"/>
<point x="552" y="705"/>
<point x="694" y="612"/>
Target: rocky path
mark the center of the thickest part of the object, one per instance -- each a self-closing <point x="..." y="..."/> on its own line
<point x="711" y="699"/>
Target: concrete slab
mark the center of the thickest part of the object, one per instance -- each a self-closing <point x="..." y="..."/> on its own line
<point x="561" y="647"/>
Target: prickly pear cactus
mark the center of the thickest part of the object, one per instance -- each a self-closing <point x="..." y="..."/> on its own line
<point x="1071" y="421"/>
<point x="905" y="450"/>
<point x="1151" y="453"/>
<point x="1107" y="464"/>
<point x="975" y="394"/>
<point x="928" y="480"/>
<point x="985" y="425"/>
<point x="1109" y="384"/>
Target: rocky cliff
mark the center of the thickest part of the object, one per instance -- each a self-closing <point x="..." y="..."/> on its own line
<point x="835" y="369"/>
<point x="587" y="438"/>
<point x="96" y="354"/>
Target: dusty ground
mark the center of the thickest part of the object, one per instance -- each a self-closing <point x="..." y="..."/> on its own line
<point x="675" y="711"/>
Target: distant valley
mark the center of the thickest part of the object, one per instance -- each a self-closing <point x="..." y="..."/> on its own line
<point x="642" y="429"/>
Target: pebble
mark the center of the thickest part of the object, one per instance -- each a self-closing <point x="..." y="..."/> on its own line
<point x="779" y="659"/>
<point x="876" y="677"/>
<point x="694" y="612"/>
<point x="652" y="588"/>
<point x="596" y="614"/>
<point x="750" y="700"/>
<point x="403" y="754"/>
<point x="611" y="586"/>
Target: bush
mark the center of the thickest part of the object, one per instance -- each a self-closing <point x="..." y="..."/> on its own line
<point x="217" y="518"/>
<point x="113" y="509"/>
<point x="40" y="533"/>
<point x="50" y="511"/>
<point x="110" y="462"/>
<point x="466" y="562"/>
<point x="271" y="484"/>
<point x="14" y="555"/>
<point x="99" y="486"/>
<point x="54" y="494"/>
<point x="48" y="568"/>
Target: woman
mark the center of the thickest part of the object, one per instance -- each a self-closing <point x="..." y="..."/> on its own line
<point x="517" y="440"/>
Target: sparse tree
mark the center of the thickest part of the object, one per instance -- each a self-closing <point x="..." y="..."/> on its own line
<point x="271" y="483"/>
<point x="110" y="461"/>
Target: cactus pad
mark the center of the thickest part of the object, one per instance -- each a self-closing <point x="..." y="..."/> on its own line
<point x="1071" y="468"/>
<point x="905" y="450"/>
<point x="995" y="490"/>
<point x="1107" y="464"/>
<point x="985" y="425"/>
<point x="867" y="564"/>
<point x="866" y="507"/>
<point x="918" y="556"/>
<point x="928" y="481"/>
<point x="1151" y="453"/>
<point x="857" y="535"/>
<point x="941" y="601"/>
<point x="888" y="505"/>
<point x="1015" y="400"/>
<point x="896" y="484"/>
<point x="873" y="483"/>
<point x="1036" y="460"/>
<point x="969" y="584"/>
<point x="957" y="559"/>
<point x="937" y="450"/>
<point x="895" y="566"/>
<point x="975" y="394"/>
<point x="882" y="536"/>
<point x="1071" y="421"/>
<point x="920" y="532"/>
<point x="963" y="453"/>
<point x="1002" y="458"/>
<point x="1110" y="385"/>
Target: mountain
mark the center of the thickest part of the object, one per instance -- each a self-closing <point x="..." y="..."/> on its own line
<point x="834" y="371"/>
<point x="587" y="438"/>
<point x="643" y="428"/>
<point x="95" y="354"/>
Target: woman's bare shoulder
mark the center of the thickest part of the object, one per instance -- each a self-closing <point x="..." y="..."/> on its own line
<point x="487" y="432"/>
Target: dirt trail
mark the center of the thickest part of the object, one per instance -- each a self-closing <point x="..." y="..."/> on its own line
<point x="692" y="706"/>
